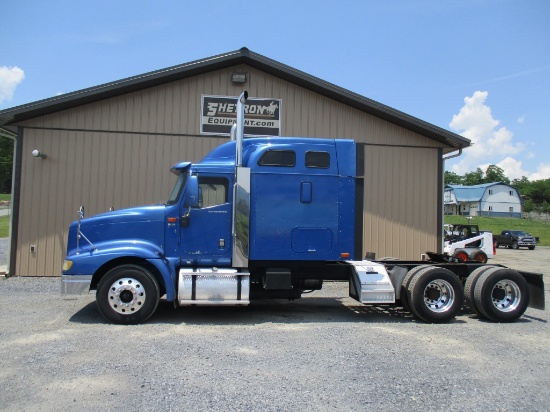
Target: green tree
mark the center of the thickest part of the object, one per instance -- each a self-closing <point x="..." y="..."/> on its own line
<point x="539" y="191"/>
<point x="495" y="174"/>
<point x="6" y="164"/>
<point x="451" y="178"/>
<point x="528" y="206"/>
<point x="522" y="185"/>
<point x="545" y="208"/>
<point x="473" y="178"/>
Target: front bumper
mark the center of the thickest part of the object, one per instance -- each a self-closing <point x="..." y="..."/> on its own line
<point x="75" y="284"/>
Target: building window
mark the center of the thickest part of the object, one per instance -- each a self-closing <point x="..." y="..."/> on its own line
<point x="490" y="208"/>
<point x="490" y="191"/>
<point x="511" y="209"/>
<point x="286" y="158"/>
<point x="511" y="193"/>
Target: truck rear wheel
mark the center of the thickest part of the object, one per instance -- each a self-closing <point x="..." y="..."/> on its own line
<point x="435" y="295"/>
<point x="405" y="286"/>
<point x="127" y="294"/>
<point x="501" y="295"/>
<point x="470" y="285"/>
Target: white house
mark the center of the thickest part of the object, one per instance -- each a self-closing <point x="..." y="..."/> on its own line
<point x="489" y="199"/>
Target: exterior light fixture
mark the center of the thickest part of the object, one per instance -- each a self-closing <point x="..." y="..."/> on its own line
<point x="238" y="77"/>
<point x="38" y="153"/>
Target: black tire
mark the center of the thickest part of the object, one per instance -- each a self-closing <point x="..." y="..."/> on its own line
<point x="514" y="245"/>
<point x="470" y="285"/>
<point x="501" y="295"/>
<point x="479" y="256"/>
<point x="496" y="245"/>
<point x="127" y="294"/>
<point x="435" y="295"/>
<point x="461" y="254"/>
<point x="405" y="286"/>
<point x="531" y="247"/>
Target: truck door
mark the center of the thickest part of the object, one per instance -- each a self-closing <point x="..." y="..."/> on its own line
<point x="206" y="229"/>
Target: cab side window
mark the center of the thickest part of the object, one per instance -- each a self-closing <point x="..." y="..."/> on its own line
<point x="212" y="191"/>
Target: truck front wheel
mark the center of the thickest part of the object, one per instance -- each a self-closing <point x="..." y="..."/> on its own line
<point x="127" y="294"/>
<point x="515" y="245"/>
<point x="435" y="295"/>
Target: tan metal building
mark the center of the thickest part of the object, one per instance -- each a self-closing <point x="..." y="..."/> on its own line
<point x="112" y="146"/>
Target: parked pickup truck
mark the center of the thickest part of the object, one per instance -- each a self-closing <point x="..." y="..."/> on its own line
<point x="514" y="239"/>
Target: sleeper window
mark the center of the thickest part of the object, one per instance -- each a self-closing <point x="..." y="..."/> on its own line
<point x="285" y="158"/>
<point x="319" y="160"/>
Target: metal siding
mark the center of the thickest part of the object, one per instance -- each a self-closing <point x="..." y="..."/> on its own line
<point x="94" y="169"/>
<point x="401" y="201"/>
<point x="117" y="152"/>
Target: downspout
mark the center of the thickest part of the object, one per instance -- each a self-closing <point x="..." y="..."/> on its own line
<point x="453" y="156"/>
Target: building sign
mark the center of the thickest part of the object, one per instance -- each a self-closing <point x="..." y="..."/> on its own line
<point x="261" y="116"/>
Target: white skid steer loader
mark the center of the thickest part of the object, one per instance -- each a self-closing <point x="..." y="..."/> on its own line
<point x="467" y="243"/>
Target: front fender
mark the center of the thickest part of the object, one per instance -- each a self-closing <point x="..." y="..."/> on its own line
<point x="167" y="270"/>
<point x="88" y="260"/>
<point x="91" y="259"/>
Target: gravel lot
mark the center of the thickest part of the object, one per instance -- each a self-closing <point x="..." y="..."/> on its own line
<point x="323" y="352"/>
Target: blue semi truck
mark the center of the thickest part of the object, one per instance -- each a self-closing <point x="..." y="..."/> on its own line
<point x="270" y="218"/>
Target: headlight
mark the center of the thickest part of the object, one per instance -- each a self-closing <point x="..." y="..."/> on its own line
<point x="67" y="264"/>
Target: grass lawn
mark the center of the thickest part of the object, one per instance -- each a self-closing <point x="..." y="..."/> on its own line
<point x="498" y="224"/>
<point x="5" y="197"/>
<point x="4" y="226"/>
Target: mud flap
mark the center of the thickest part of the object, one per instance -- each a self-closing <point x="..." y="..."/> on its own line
<point x="536" y="289"/>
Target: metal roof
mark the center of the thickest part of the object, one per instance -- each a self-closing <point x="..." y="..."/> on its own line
<point x="17" y="114"/>
<point x="472" y="193"/>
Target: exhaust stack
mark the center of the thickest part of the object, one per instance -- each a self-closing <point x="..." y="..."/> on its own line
<point x="239" y="132"/>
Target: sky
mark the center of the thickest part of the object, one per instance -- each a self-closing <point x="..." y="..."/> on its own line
<point x="479" y="68"/>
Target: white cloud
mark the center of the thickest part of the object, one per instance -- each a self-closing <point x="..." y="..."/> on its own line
<point x="513" y="169"/>
<point x="489" y="143"/>
<point x="543" y="172"/>
<point x="10" y="77"/>
<point x="521" y="119"/>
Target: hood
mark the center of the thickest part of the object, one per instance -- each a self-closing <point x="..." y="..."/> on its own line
<point x="144" y="223"/>
<point x="131" y="214"/>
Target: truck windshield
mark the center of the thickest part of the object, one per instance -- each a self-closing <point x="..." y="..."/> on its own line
<point x="518" y="233"/>
<point x="176" y="191"/>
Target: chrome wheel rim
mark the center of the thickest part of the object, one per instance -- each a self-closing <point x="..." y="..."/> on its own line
<point x="439" y="295"/>
<point x="506" y="295"/>
<point x="126" y="296"/>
